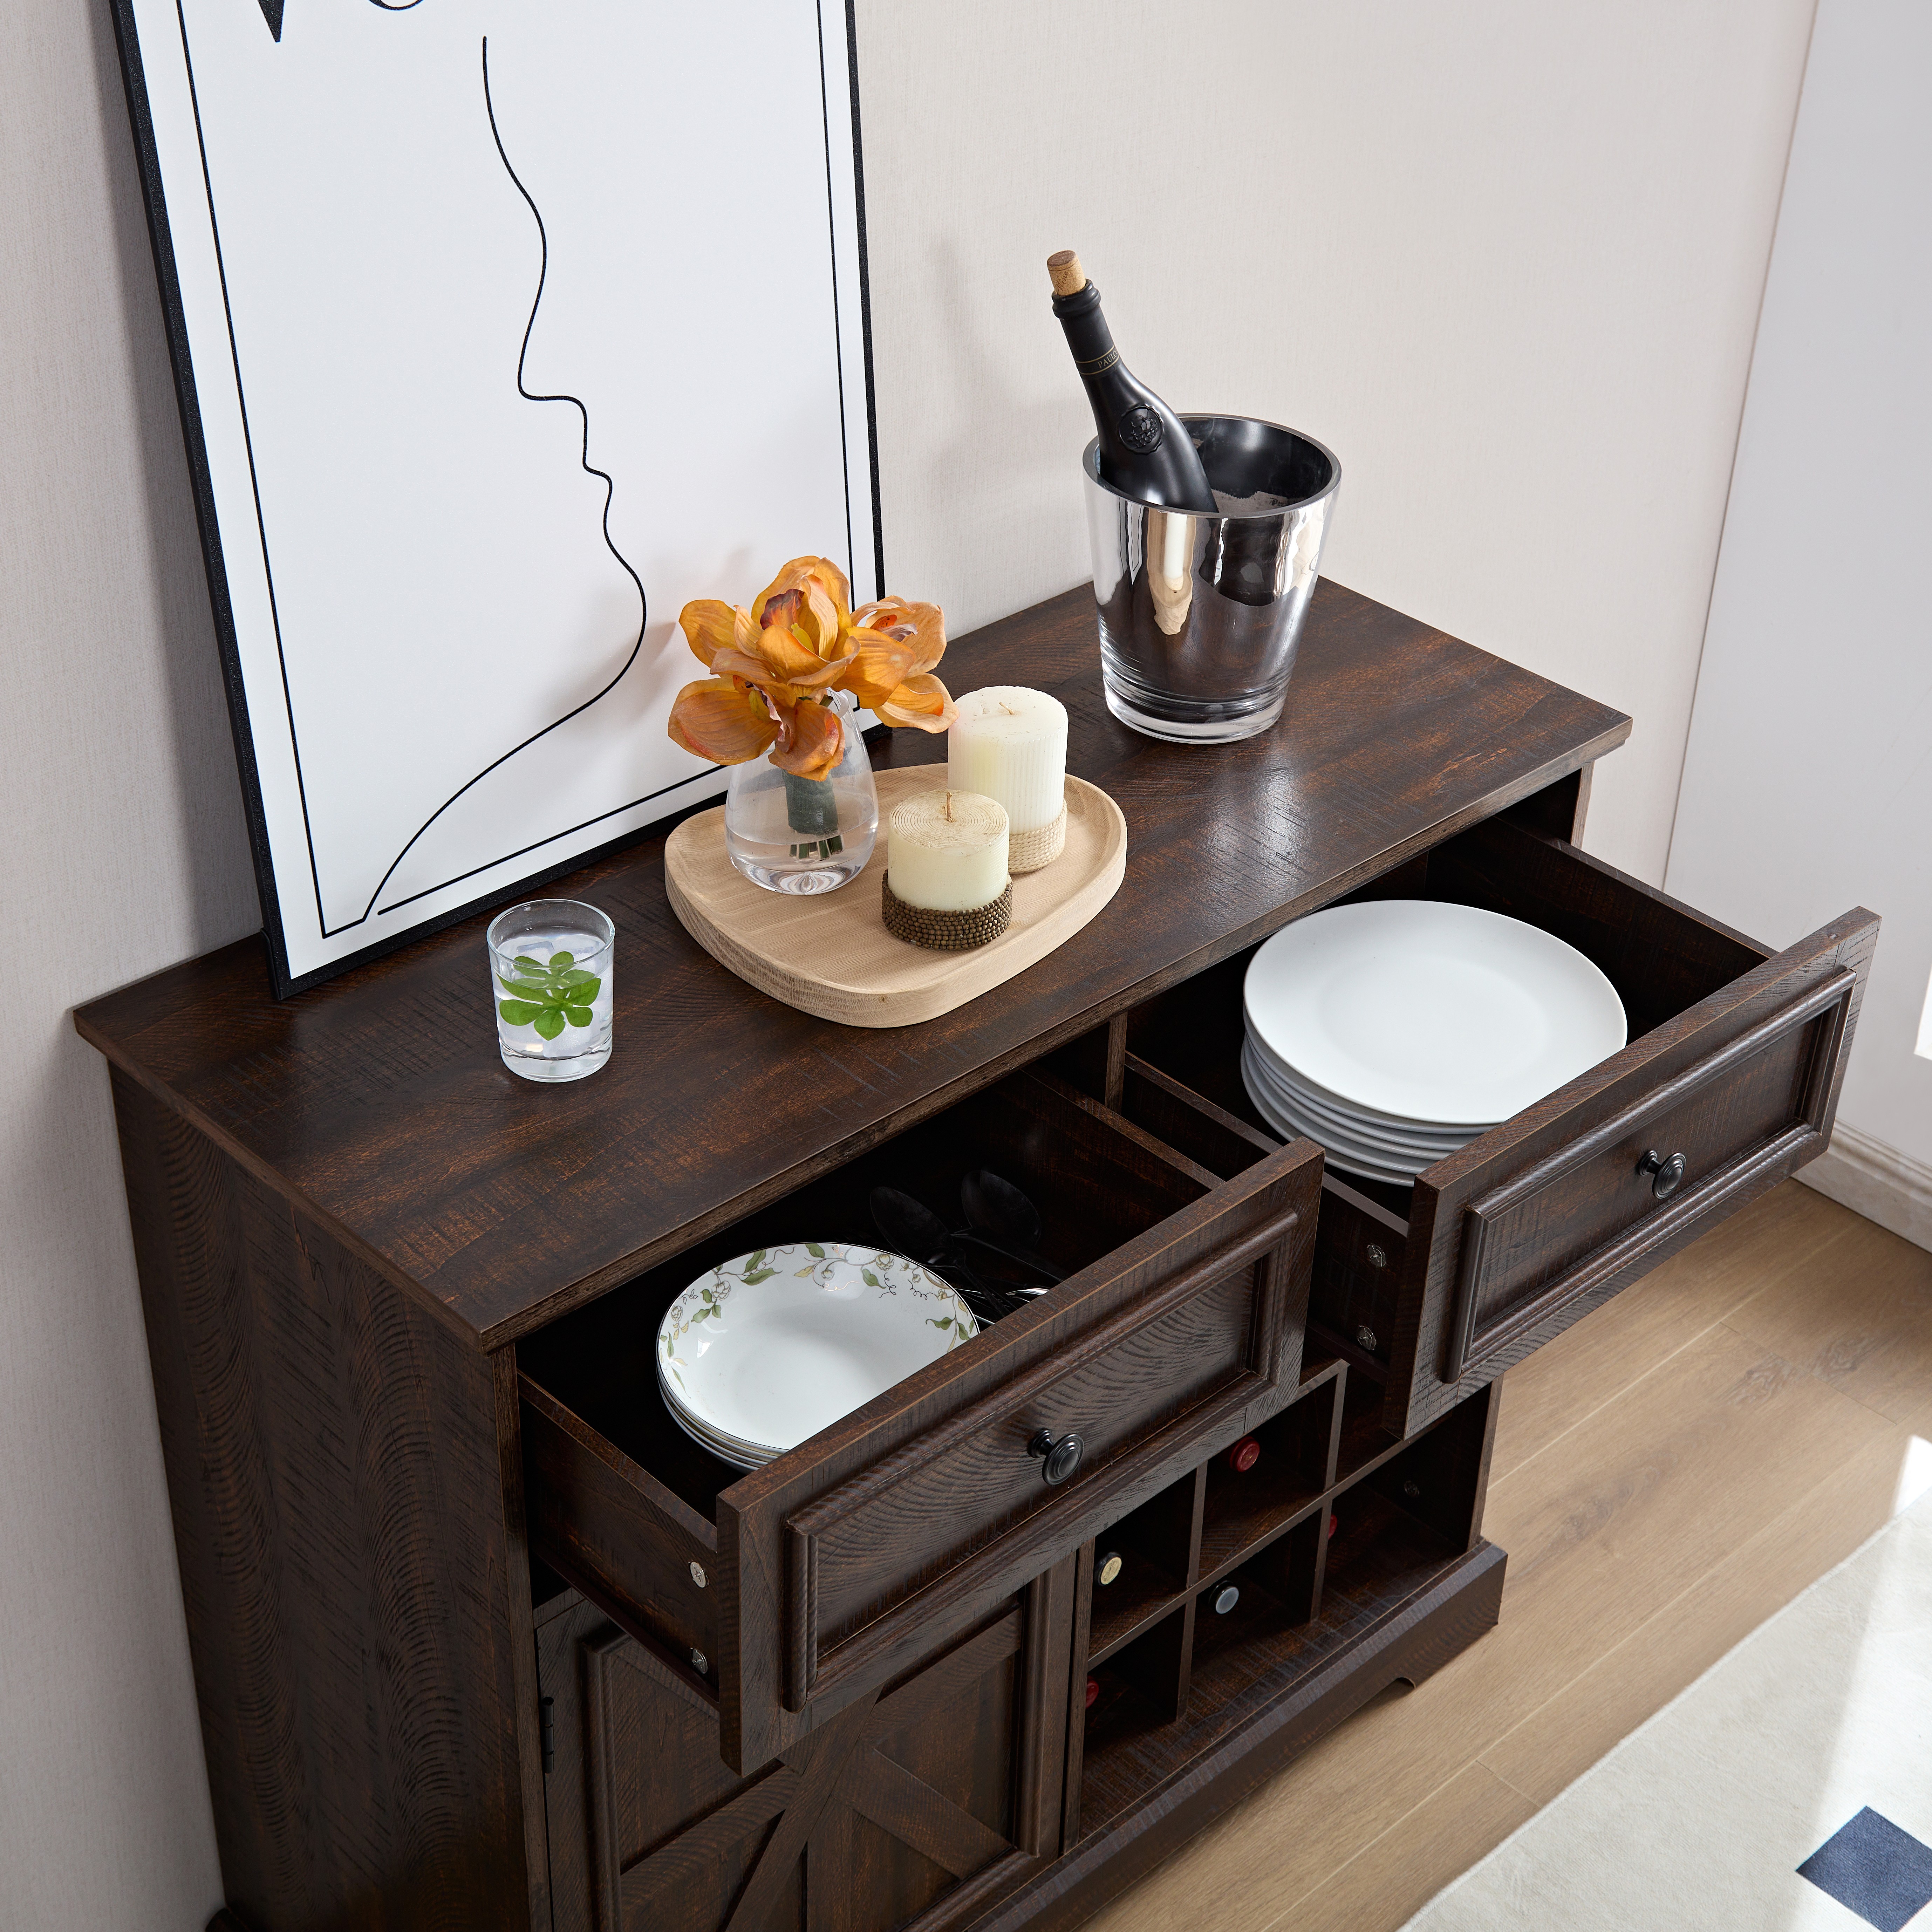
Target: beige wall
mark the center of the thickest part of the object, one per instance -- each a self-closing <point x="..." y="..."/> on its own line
<point x="1807" y="786"/>
<point x="1505" y="260"/>
<point x="124" y="851"/>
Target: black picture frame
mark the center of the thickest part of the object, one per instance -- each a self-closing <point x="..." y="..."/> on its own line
<point x="286" y="978"/>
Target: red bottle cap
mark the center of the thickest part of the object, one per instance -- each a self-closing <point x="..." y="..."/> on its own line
<point x="1245" y="1454"/>
<point x="1334" y="1522"/>
<point x="1092" y="1691"/>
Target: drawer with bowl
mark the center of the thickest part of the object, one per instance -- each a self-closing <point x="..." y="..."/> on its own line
<point x="785" y="1592"/>
<point x="1728" y="1082"/>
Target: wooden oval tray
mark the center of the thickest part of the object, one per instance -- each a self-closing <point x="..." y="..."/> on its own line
<point x="832" y="956"/>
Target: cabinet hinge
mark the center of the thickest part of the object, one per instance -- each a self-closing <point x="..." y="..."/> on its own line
<point x="547" y="1731"/>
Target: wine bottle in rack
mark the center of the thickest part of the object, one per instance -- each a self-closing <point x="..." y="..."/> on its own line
<point x="1108" y="1565"/>
<point x="1243" y="1456"/>
<point x="1145" y="452"/>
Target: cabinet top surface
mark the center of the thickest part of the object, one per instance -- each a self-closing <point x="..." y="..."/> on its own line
<point x="378" y="1100"/>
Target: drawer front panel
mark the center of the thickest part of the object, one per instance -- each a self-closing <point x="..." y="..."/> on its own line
<point x="1544" y="1236"/>
<point x="1539" y="1221"/>
<point x="896" y="1533"/>
<point x="1140" y="1391"/>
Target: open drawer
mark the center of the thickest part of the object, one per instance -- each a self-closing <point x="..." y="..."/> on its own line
<point x="1729" y="1083"/>
<point x="790" y="1592"/>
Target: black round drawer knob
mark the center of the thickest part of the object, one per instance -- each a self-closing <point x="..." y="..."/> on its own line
<point x="1667" y="1175"/>
<point x="1060" y="1455"/>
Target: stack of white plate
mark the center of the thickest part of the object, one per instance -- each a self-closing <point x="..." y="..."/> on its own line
<point x="1393" y="1032"/>
<point x="769" y="1349"/>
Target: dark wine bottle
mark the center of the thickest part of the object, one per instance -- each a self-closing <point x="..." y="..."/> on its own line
<point x="1226" y="1597"/>
<point x="1244" y="1455"/>
<point x="1109" y="1566"/>
<point x="1145" y="453"/>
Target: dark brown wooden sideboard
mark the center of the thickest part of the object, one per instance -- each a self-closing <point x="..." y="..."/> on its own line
<point x="481" y="1640"/>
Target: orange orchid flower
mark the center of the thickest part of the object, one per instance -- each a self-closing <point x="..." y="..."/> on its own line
<point x="811" y="593"/>
<point x="904" y="641"/>
<point x="727" y="722"/>
<point x="775" y="666"/>
<point x="724" y="721"/>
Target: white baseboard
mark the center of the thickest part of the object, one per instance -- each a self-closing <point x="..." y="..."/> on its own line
<point x="1876" y="1181"/>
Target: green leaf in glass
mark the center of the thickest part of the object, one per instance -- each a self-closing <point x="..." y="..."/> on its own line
<point x="549" y="1023"/>
<point x="578" y="1016"/>
<point x="519" y="1013"/>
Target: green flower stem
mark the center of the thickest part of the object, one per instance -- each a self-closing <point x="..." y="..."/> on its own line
<point x="810" y="807"/>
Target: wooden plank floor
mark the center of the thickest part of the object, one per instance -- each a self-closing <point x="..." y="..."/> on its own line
<point x="1667" y="1474"/>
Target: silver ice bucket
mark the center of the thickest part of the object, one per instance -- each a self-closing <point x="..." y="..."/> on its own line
<point x="1200" y="616"/>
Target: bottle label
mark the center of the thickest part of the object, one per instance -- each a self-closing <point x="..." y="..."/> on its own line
<point x="1098" y="365"/>
<point x="1140" y="429"/>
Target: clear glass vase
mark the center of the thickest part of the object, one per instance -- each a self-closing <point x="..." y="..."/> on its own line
<point x="793" y="835"/>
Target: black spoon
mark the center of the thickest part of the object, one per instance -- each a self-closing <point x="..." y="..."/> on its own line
<point x="1002" y="1218"/>
<point x="910" y="1227"/>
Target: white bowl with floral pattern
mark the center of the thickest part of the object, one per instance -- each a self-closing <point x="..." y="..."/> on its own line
<point x="770" y="1348"/>
<point x="725" y="1448"/>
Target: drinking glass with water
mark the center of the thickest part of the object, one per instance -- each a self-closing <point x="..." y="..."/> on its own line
<point x="550" y="981"/>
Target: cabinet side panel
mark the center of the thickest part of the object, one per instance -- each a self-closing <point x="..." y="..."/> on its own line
<point x="333" y="1468"/>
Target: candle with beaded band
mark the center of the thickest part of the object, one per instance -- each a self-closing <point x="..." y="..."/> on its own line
<point x="947" y="886"/>
<point x="1009" y="743"/>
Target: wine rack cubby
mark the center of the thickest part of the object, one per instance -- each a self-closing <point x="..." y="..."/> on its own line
<point x="1332" y="1527"/>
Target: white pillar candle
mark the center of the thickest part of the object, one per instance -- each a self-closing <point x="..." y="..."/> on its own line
<point x="946" y="851"/>
<point x="1010" y="743"/>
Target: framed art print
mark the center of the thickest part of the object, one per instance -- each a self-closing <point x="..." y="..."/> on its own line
<point x="500" y="332"/>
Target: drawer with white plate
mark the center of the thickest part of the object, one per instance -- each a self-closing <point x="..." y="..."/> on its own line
<point x="1534" y="1078"/>
<point x="704" y="1460"/>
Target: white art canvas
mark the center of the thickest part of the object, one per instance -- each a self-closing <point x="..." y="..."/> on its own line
<point x="503" y="331"/>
